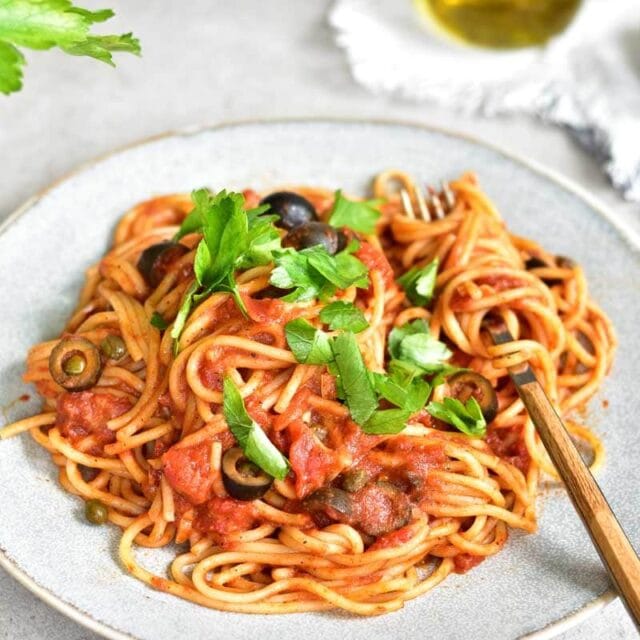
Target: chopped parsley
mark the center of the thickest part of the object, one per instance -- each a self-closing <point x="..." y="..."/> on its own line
<point x="361" y="389"/>
<point x="466" y="417"/>
<point x="357" y="215"/>
<point x="419" y="282"/>
<point x="386" y="421"/>
<point x="158" y="321"/>
<point x="308" y="345"/>
<point x="355" y="383"/>
<point x="343" y="315"/>
<point x="232" y="238"/>
<point x="413" y="344"/>
<point x="313" y="273"/>
<point x="252" y="439"/>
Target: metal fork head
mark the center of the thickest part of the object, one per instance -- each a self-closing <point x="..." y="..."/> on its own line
<point x="432" y="205"/>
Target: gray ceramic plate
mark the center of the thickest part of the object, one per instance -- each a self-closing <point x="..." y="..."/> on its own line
<point x="537" y="581"/>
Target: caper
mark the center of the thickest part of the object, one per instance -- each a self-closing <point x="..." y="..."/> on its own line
<point x="96" y="512"/>
<point x="354" y="480"/>
<point x="113" y="347"/>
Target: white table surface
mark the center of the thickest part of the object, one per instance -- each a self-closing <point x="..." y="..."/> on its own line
<point x="205" y="62"/>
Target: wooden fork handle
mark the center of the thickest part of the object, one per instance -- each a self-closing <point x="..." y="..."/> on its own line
<point x="612" y="544"/>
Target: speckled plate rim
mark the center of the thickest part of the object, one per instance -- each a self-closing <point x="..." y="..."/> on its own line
<point x="626" y="232"/>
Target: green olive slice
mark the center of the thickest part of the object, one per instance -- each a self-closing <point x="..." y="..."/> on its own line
<point x="75" y="363"/>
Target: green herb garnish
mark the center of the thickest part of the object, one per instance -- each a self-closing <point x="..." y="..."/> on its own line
<point x="308" y="344"/>
<point x="419" y="282"/>
<point x="232" y="239"/>
<point x="158" y="321"/>
<point x="467" y="417"/>
<point x="386" y="421"/>
<point x="44" y="24"/>
<point x="343" y="315"/>
<point x="357" y="215"/>
<point x="313" y="273"/>
<point x="406" y="393"/>
<point x="413" y="344"/>
<point x="252" y="439"/>
<point x="356" y="386"/>
<point x="360" y="388"/>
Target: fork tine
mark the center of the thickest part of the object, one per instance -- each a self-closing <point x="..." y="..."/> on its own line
<point x="449" y="197"/>
<point x="406" y="203"/>
<point x="422" y="206"/>
<point x="436" y="203"/>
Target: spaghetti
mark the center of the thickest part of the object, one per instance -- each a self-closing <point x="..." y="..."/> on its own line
<point x="364" y="519"/>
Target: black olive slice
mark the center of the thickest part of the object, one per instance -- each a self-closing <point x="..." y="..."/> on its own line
<point x="271" y="292"/>
<point x="156" y="261"/>
<point x="565" y="263"/>
<point x="465" y="384"/>
<point x="292" y="209"/>
<point x="312" y="234"/>
<point x="242" y="479"/>
<point x="75" y="363"/>
<point x="332" y="502"/>
<point x="537" y="263"/>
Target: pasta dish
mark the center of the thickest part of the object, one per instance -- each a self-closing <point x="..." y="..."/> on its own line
<point x="296" y="389"/>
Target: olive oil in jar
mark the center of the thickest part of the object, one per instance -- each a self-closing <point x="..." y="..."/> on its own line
<point x="501" y="24"/>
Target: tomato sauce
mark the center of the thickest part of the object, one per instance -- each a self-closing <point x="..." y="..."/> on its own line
<point x="188" y="471"/>
<point x="355" y="441"/>
<point x="393" y="539"/>
<point x="465" y="561"/>
<point x="500" y="282"/>
<point x="375" y="260"/>
<point x="508" y="444"/>
<point x="86" y="413"/>
<point x="313" y="463"/>
<point x="380" y="508"/>
<point x="461" y="301"/>
<point x="251" y="198"/>
<point x="223" y="516"/>
<point x="265" y="310"/>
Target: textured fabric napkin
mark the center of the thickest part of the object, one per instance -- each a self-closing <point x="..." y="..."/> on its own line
<point x="587" y="80"/>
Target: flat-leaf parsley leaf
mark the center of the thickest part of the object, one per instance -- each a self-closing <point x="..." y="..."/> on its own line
<point x="252" y="439"/>
<point x="343" y="315"/>
<point x="359" y="215"/>
<point x="43" y="24"/>
<point x="466" y="417"/>
<point x="413" y="344"/>
<point x="419" y="282"/>
<point x="308" y="344"/>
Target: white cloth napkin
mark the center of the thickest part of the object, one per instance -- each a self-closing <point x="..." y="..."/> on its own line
<point x="587" y="80"/>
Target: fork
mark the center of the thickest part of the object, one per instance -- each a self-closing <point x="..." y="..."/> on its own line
<point x="608" y="537"/>
<point x="434" y="206"/>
